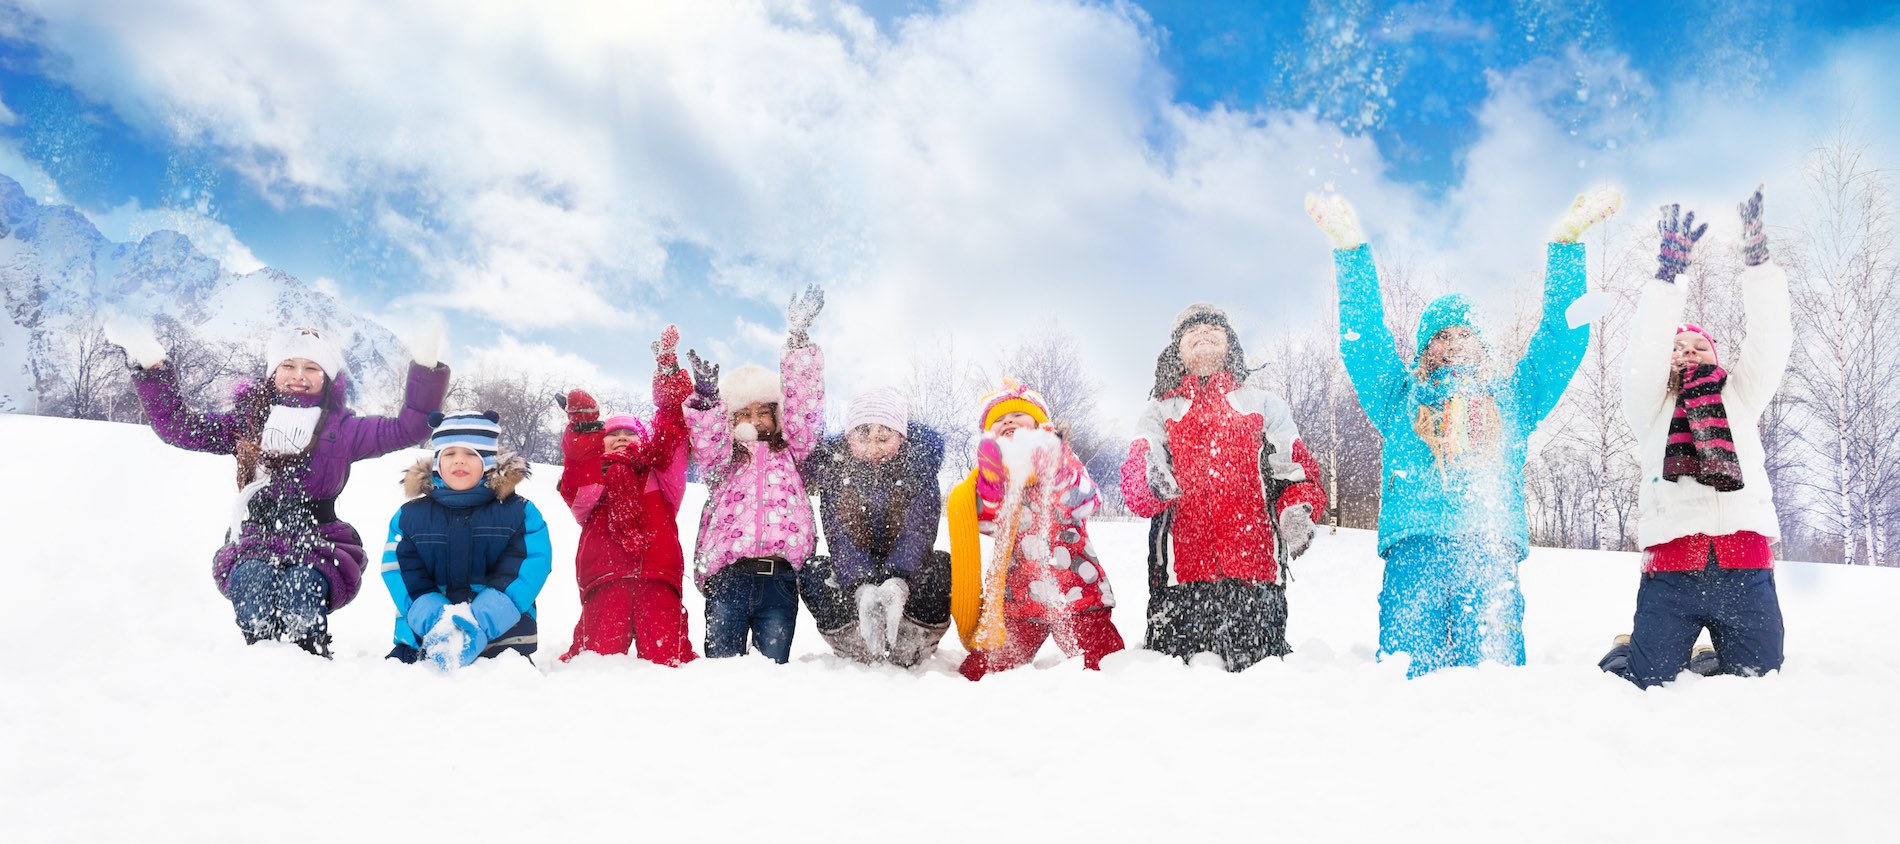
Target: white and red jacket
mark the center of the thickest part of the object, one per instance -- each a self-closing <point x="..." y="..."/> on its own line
<point x="757" y="507"/>
<point x="1685" y="508"/>
<point x="1228" y="459"/>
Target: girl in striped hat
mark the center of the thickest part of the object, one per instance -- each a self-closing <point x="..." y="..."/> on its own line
<point x="466" y="556"/>
<point x="1045" y="579"/>
<point x="1708" y="509"/>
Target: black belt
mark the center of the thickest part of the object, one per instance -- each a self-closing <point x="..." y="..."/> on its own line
<point x="761" y="565"/>
<point x="266" y="509"/>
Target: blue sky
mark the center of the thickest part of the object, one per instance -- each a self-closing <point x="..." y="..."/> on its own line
<point x="554" y="187"/>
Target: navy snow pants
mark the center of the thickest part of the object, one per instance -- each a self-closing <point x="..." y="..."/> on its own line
<point x="1738" y="606"/>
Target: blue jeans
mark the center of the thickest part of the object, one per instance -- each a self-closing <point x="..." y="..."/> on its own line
<point x="271" y="602"/>
<point x="1740" y="607"/>
<point x="1450" y="602"/>
<point x="738" y="602"/>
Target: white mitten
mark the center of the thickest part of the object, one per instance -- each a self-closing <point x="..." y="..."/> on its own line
<point x="1296" y="529"/>
<point x="1334" y="216"/>
<point x="424" y="344"/>
<point x="135" y="336"/>
<point x="1588" y="209"/>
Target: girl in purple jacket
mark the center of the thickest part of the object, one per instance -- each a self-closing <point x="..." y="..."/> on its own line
<point x="287" y="560"/>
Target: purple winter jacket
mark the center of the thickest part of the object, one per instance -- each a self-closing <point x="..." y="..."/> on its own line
<point x="310" y="485"/>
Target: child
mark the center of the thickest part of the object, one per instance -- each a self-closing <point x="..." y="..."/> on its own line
<point x="1224" y="460"/>
<point x="623" y="480"/>
<point x="749" y="434"/>
<point x="288" y="561"/>
<point x="1708" y="509"/>
<point x="466" y="556"/>
<point x="1033" y="495"/>
<point x="882" y="594"/>
<point x="1452" y="527"/>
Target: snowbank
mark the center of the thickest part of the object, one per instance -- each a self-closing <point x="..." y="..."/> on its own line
<point x="131" y="708"/>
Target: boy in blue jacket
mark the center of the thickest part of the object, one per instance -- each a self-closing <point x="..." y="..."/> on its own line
<point x="466" y="556"/>
<point x="1452" y="526"/>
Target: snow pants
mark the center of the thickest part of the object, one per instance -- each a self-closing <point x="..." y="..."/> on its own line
<point x="1242" y="621"/>
<point x="739" y="602"/>
<point x="1739" y="607"/>
<point x="1091" y="634"/>
<point x="637" y="612"/>
<point x="1451" y="602"/>
<point x="281" y="602"/>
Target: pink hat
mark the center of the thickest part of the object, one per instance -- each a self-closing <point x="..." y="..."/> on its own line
<point x="625" y="422"/>
<point x="1690" y="326"/>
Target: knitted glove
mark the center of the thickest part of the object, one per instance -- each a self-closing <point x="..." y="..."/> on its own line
<point x="1679" y="237"/>
<point x="1587" y="210"/>
<point x="583" y="413"/>
<point x="705" y="382"/>
<point x="799" y="315"/>
<point x="495" y="612"/>
<point x="665" y="350"/>
<point x="135" y="338"/>
<point x="1335" y="217"/>
<point x="1296" y="530"/>
<point x="1137" y="490"/>
<point x="1754" y="243"/>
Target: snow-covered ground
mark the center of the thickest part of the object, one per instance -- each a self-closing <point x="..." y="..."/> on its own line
<point x="130" y="709"/>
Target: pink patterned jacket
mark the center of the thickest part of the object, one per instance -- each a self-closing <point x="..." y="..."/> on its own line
<point x="757" y="506"/>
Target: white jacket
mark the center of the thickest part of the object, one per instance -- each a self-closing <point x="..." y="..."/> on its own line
<point x="1674" y="509"/>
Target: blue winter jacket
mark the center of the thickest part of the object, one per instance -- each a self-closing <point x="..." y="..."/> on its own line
<point x="464" y="543"/>
<point x="1419" y="496"/>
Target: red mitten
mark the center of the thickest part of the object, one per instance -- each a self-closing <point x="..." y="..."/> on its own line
<point x="1136" y="493"/>
<point x="583" y="413"/>
<point x="666" y="350"/>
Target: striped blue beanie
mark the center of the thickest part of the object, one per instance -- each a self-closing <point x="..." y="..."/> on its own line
<point x="477" y="432"/>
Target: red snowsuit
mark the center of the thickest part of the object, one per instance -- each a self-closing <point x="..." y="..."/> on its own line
<point x="629" y="565"/>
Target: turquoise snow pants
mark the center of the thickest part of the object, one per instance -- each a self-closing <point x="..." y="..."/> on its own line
<point x="1451" y="601"/>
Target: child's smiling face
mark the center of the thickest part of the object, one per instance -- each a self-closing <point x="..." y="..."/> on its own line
<point x="762" y="416"/>
<point x="298" y="377"/>
<point x="1010" y="422"/>
<point x="619" y="438"/>
<point x="873" y="443"/>
<point x="460" y="468"/>
<point x="1203" y="349"/>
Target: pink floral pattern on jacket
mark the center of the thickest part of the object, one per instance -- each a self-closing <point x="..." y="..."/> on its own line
<point x="757" y="506"/>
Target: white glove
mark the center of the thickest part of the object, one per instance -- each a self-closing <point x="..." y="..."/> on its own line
<point x="1334" y="216"/>
<point x="425" y="344"/>
<point x="1587" y="210"/>
<point x="135" y="336"/>
<point x="1296" y="529"/>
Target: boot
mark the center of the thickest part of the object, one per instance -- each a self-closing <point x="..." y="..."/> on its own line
<point x="1704" y="661"/>
<point x="916" y="641"/>
<point x="1617" y="661"/>
<point x="848" y="642"/>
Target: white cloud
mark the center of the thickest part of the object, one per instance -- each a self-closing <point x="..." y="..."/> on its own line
<point x="976" y="173"/>
<point x="510" y="355"/>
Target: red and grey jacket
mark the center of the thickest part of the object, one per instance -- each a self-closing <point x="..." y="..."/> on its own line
<point x="1227" y="459"/>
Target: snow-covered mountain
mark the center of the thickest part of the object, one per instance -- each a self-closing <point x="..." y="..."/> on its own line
<point x="58" y="273"/>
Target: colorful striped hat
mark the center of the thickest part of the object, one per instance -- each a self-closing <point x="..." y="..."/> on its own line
<point x="1013" y="397"/>
<point x="477" y="432"/>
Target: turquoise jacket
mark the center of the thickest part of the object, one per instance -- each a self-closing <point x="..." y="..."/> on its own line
<point x="1422" y="494"/>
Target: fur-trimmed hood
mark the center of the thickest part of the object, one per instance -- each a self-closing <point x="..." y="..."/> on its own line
<point x="510" y="470"/>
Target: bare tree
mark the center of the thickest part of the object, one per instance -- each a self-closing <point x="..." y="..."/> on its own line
<point x="1841" y="259"/>
<point x="530" y="422"/>
<point x="942" y="390"/>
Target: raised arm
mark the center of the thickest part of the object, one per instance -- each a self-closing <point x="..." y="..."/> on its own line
<point x="1765" y="298"/>
<point x="707" y="421"/>
<point x="177" y="425"/>
<point x="370" y="436"/>
<point x="1366" y="344"/>
<point x="802" y="371"/>
<point x="1556" y="349"/>
<point x="1646" y="373"/>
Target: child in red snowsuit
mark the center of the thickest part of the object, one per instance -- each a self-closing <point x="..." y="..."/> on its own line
<point x="1052" y="584"/>
<point x="623" y="480"/>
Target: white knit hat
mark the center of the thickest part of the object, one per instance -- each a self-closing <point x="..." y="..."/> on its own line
<point x="879" y="406"/>
<point x="304" y="343"/>
<point x="750" y="384"/>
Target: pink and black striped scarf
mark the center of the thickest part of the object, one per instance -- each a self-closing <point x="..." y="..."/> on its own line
<point x="1700" y="446"/>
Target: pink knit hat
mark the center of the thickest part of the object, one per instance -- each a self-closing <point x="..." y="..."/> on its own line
<point x="880" y="406"/>
<point x="626" y="422"/>
<point x="1713" y="349"/>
